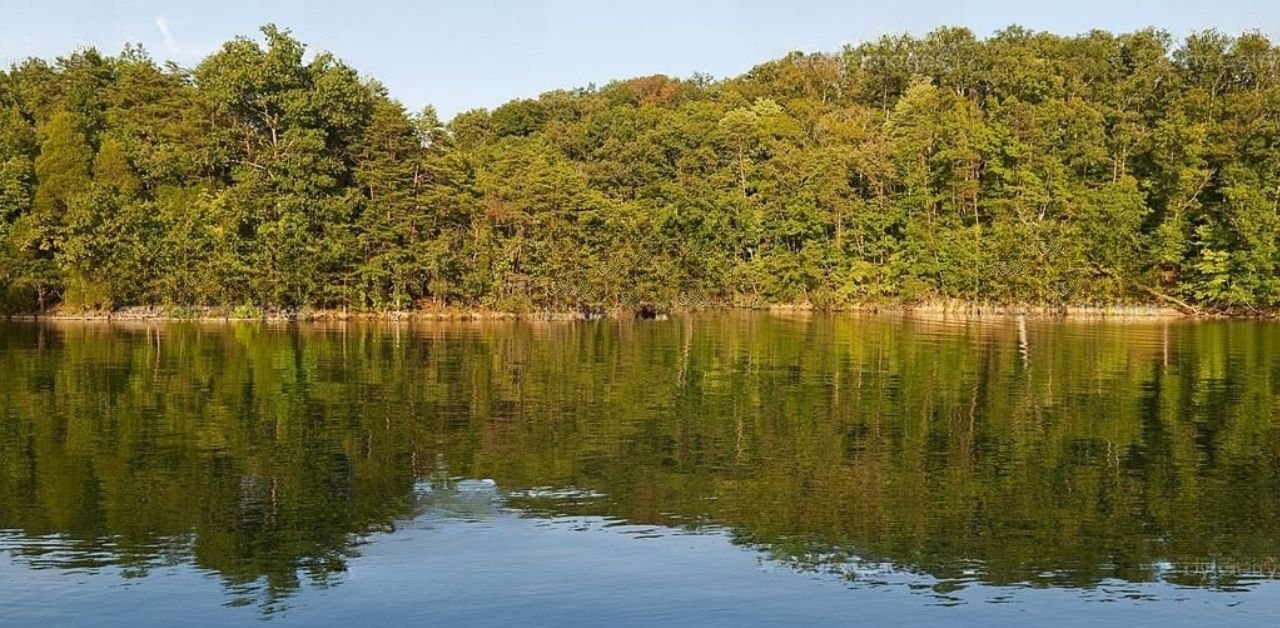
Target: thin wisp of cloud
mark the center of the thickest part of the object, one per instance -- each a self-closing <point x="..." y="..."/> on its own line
<point x="171" y="44"/>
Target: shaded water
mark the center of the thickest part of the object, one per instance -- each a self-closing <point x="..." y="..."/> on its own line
<point x="720" y="468"/>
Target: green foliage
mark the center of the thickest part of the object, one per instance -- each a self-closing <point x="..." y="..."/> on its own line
<point x="62" y="168"/>
<point x="1027" y="167"/>
<point x="247" y="311"/>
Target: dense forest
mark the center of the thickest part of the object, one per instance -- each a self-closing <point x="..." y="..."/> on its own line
<point x="1024" y="168"/>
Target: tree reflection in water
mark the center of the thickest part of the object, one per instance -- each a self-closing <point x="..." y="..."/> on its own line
<point x="1026" y="453"/>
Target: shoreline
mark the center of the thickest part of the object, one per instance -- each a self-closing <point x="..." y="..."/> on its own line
<point x="931" y="309"/>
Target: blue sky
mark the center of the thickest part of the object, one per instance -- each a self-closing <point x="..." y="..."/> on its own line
<point x="480" y="53"/>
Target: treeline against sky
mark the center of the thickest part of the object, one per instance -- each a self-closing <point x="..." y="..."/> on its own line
<point x="1026" y="168"/>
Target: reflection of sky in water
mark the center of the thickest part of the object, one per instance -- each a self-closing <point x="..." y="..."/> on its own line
<point x="468" y="556"/>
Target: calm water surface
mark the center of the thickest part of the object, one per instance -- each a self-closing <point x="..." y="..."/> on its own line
<point x="718" y="469"/>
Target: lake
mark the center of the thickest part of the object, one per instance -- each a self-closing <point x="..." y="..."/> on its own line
<point x="728" y="469"/>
